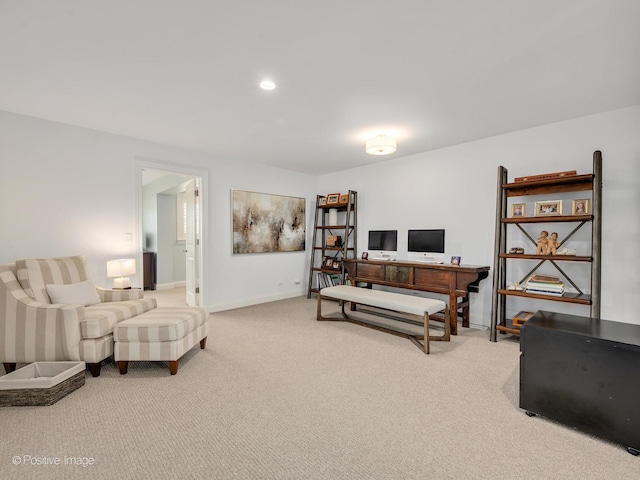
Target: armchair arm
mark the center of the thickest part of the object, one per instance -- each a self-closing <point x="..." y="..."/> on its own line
<point x="34" y="331"/>
<point x="107" y="295"/>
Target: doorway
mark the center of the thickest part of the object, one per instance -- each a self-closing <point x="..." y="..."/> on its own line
<point x="170" y="227"/>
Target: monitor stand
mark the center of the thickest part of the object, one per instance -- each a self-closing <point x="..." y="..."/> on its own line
<point x="382" y="257"/>
<point x="428" y="257"/>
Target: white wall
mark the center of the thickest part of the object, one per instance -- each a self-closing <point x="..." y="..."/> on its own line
<point x="455" y="188"/>
<point x="66" y="190"/>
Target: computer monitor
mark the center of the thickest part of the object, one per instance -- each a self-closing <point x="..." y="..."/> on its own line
<point x="383" y="244"/>
<point x="426" y="245"/>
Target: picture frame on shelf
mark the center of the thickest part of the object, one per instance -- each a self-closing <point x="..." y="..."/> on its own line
<point x="581" y="207"/>
<point x="336" y="265"/>
<point x="333" y="199"/>
<point x="455" y="260"/>
<point x="548" y="208"/>
<point x="518" y="210"/>
<point x="322" y="201"/>
<point x="328" y="263"/>
<point x="344" y="199"/>
<point x="365" y="255"/>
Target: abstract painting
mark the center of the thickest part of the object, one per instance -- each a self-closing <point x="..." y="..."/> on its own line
<point x="267" y="223"/>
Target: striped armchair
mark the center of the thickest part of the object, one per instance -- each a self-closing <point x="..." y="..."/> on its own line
<point x="33" y="328"/>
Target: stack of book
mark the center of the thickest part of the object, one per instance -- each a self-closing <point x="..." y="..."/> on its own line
<point x="544" y="285"/>
<point x="328" y="280"/>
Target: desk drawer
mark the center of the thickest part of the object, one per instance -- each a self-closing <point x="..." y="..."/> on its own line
<point x="372" y="272"/>
<point x="432" y="278"/>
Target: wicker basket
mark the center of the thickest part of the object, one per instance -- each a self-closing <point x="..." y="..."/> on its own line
<point x="41" y="383"/>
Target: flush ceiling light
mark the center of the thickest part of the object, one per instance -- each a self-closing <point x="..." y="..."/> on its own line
<point x="267" y="85"/>
<point x="381" y="145"/>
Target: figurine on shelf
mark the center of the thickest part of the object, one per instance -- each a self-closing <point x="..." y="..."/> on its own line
<point x="552" y="244"/>
<point x="542" y="243"/>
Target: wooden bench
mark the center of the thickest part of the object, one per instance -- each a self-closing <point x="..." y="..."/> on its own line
<point x="395" y="302"/>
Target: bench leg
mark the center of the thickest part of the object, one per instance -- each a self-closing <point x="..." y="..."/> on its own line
<point x="426" y="332"/>
<point x="94" y="368"/>
<point x="9" y="367"/>
<point x="446" y="336"/>
<point x="173" y="367"/>
<point x="123" y="367"/>
<point x="319" y="316"/>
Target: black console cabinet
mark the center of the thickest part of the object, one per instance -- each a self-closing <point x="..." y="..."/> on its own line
<point x="584" y="373"/>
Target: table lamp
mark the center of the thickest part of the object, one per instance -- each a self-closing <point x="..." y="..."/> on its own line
<point x="121" y="268"/>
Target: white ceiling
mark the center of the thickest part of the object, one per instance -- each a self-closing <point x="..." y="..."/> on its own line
<point x="436" y="73"/>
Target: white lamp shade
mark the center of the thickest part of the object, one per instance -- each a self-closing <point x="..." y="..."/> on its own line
<point x="381" y="145"/>
<point x="121" y="267"/>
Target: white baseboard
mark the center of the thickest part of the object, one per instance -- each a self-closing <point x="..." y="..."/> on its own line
<point x="256" y="301"/>
<point x="169" y="286"/>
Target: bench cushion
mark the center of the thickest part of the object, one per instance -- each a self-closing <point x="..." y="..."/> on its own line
<point x="161" y="325"/>
<point x="388" y="300"/>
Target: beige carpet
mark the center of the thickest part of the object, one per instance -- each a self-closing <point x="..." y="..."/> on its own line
<point x="277" y="395"/>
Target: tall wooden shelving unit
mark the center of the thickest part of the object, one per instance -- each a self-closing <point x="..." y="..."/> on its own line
<point x="346" y="228"/>
<point x="572" y="183"/>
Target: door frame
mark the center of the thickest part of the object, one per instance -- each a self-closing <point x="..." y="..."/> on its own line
<point x="203" y="179"/>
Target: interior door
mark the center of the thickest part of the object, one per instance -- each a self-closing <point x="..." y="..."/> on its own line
<point x="192" y="244"/>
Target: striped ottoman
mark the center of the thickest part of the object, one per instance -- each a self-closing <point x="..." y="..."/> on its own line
<point x="162" y="334"/>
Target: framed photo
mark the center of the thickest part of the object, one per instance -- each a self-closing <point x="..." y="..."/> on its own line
<point x="322" y="201"/>
<point x="344" y="199"/>
<point x="336" y="264"/>
<point x="518" y="209"/>
<point x="333" y="199"/>
<point x="328" y="263"/>
<point x="455" y="260"/>
<point x="365" y="255"/>
<point x="549" y="207"/>
<point x="580" y="207"/>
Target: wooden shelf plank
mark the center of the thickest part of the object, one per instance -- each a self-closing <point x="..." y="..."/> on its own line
<point x="549" y="219"/>
<point x="567" y="297"/>
<point x="571" y="183"/>
<point x="555" y="258"/>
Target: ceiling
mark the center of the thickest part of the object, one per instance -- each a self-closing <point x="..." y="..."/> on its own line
<point x="433" y="73"/>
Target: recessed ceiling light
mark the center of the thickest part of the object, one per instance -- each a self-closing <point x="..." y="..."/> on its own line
<point x="267" y="85"/>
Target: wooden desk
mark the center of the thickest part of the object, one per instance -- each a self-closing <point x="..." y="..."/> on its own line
<point x="453" y="280"/>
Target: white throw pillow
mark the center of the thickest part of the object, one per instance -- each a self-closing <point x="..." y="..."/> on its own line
<point x="81" y="293"/>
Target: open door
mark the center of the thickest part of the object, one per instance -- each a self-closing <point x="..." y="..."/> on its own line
<point x="192" y="244"/>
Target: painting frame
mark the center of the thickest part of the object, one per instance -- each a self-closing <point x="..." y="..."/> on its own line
<point x="518" y="210"/>
<point x="267" y="223"/>
<point x="586" y="206"/>
<point x="548" y="208"/>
